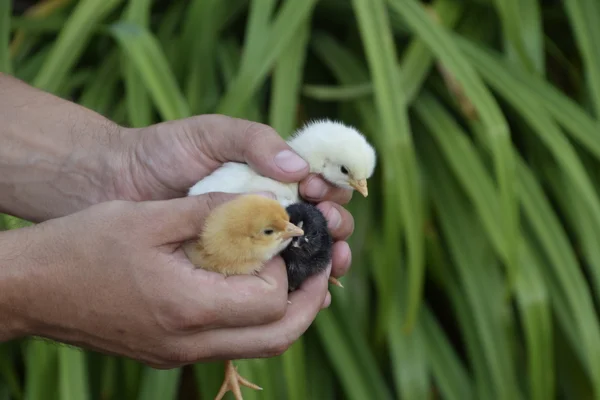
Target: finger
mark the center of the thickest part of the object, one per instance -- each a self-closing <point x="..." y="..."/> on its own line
<point x="180" y="219"/>
<point x="234" y="301"/>
<point x="339" y="221"/>
<point x="342" y="258"/>
<point x="315" y="189"/>
<point x="327" y="301"/>
<point x="266" y="340"/>
<point x="258" y="145"/>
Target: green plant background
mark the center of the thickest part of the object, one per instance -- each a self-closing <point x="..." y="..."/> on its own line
<point x="476" y="264"/>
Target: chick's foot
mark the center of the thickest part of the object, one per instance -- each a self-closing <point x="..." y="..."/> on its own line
<point x="232" y="382"/>
<point x="335" y="282"/>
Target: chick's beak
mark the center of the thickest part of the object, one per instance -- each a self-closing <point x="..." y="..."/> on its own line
<point x="360" y="185"/>
<point x="291" y="230"/>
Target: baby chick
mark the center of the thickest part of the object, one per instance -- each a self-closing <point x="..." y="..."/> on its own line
<point x="310" y="253"/>
<point x="339" y="153"/>
<point x="239" y="237"/>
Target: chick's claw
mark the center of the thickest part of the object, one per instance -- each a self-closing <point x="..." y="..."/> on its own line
<point x="232" y="382"/>
<point x="335" y="282"/>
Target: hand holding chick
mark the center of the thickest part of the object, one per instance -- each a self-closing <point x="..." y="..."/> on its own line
<point x="338" y="153"/>
<point x="123" y="261"/>
<point x="238" y="238"/>
<point x="166" y="159"/>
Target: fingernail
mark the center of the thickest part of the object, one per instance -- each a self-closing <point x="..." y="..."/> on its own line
<point x="290" y="161"/>
<point x="316" y="188"/>
<point x="334" y="218"/>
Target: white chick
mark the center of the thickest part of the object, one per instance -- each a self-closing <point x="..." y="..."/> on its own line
<point x="337" y="152"/>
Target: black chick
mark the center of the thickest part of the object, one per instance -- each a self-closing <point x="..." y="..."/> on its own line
<point x="308" y="254"/>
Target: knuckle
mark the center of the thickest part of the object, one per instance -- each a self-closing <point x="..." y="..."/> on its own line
<point x="255" y="132"/>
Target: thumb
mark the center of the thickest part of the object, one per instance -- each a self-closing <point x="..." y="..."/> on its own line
<point x="232" y="139"/>
<point x="183" y="218"/>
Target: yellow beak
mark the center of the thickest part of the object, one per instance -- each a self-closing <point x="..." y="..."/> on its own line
<point x="291" y="230"/>
<point x="360" y="185"/>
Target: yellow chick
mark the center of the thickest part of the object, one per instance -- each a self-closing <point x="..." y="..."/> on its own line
<point x="239" y="237"/>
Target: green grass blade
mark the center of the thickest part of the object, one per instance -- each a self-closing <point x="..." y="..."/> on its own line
<point x="579" y="124"/>
<point x="399" y="165"/>
<point x="417" y="58"/>
<point x="447" y="369"/>
<point x="145" y="54"/>
<point x="283" y="29"/>
<point x="50" y="24"/>
<point x="350" y="357"/>
<point x="41" y="369"/>
<point x="29" y="69"/>
<point x="441" y="44"/>
<point x="228" y="54"/>
<point x="571" y="295"/>
<point x="523" y="35"/>
<point x="338" y="93"/>
<point x="294" y="367"/>
<point x="200" y="34"/>
<point x="8" y="371"/>
<point x="5" y="28"/>
<point x="478" y="277"/>
<point x="585" y="22"/>
<point x="99" y="92"/>
<point x="159" y="384"/>
<point x="465" y="164"/>
<point x="136" y="95"/>
<point x="534" y="304"/>
<point x="257" y="31"/>
<point x="320" y="376"/>
<point x="408" y="349"/>
<point x="76" y="81"/>
<point x="564" y="153"/>
<point x="209" y="377"/>
<point x="72" y="366"/>
<point x="287" y="78"/>
<point x="71" y="42"/>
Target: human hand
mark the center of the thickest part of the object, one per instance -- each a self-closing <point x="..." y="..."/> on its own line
<point x="114" y="278"/>
<point x="163" y="161"/>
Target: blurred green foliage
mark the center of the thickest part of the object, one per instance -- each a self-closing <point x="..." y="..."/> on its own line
<point x="476" y="265"/>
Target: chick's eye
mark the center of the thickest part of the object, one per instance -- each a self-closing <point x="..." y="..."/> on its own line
<point x="268" y="231"/>
<point x="344" y="170"/>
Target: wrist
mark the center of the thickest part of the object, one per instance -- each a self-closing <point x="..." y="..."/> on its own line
<point x="14" y="279"/>
<point x="56" y="156"/>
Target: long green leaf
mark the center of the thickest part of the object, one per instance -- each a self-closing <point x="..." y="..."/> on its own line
<point x="441" y="44"/>
<point x="159" y="384"/>
<point x="136" y="95"/>
<point x="5" y="26"/>
<point x="578" y="123"/>
<point x="71" y="42"/>
<point x="396" y="140"/>
<point x="283" y="29"/>
<point x="73" y="374"/>
<point x="144" y="52"/>
<point x="585" y="22"/>
<point x="287" y="78"/>
<point x="522" y="31"/>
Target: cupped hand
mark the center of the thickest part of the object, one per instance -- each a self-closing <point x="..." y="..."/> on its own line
<point x="113" y="277"/>
<point x="164" y="160"/>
